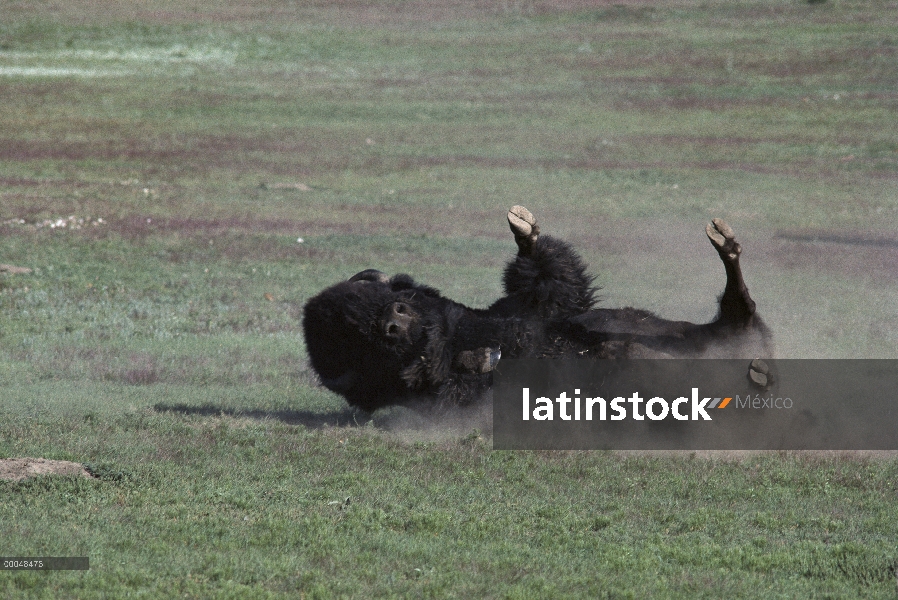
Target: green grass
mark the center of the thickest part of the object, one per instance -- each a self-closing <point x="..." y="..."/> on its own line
<point x="198" y="503"/>
<point x="163" y="346"/>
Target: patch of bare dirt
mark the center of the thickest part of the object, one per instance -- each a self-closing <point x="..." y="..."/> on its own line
<point x="16" y="469"/>
<point x="852" y="253"/>
<point x="13" y="270"/>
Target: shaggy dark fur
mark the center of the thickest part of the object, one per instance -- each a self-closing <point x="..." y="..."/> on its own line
<point x="380" y="340"/>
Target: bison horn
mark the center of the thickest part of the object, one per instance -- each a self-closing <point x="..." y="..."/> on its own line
<point x="371" y="275"/>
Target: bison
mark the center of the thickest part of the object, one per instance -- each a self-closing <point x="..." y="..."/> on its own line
<point x="379" y="340"/>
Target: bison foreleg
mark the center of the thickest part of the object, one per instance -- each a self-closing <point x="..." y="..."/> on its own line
<point x="523" y="226"/>
<point x="481" y="360"/>
<point x="547" y="278"/>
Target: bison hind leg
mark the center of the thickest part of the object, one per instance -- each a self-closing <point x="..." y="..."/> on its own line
<point x="736" y="305"/>
<point x="724" y="239"/>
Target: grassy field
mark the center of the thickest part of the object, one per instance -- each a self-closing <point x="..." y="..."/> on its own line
<point x="182" y="176"/>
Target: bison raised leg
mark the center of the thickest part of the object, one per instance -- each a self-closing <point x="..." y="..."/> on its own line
<point x="547" y="279"/>
<point x="523" y="226"/>
<point x="736" y="305"/>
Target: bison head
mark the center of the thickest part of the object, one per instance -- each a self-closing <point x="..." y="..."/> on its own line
<point x="363" y="332"/>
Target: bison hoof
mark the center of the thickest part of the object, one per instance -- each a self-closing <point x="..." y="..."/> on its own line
<point x="495" y="355"/>
<point x="481" y="360"/>
<point x="523" y="226"/>
<point x="724" y="239"/>
<point x="758" y="373"/>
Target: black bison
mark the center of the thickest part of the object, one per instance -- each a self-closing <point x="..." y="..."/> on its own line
<point x="379" y="340"/>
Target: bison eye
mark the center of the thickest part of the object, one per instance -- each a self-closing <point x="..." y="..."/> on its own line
<point x="400" y="308"/>
<point x="392" y="329"/>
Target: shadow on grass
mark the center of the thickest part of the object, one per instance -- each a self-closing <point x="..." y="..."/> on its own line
<point x="313" y="420"/>
<point x="448" y="423"/>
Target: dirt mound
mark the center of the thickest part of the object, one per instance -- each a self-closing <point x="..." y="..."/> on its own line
<point x="12" y="270"/>
<point x="15" y="469"/>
